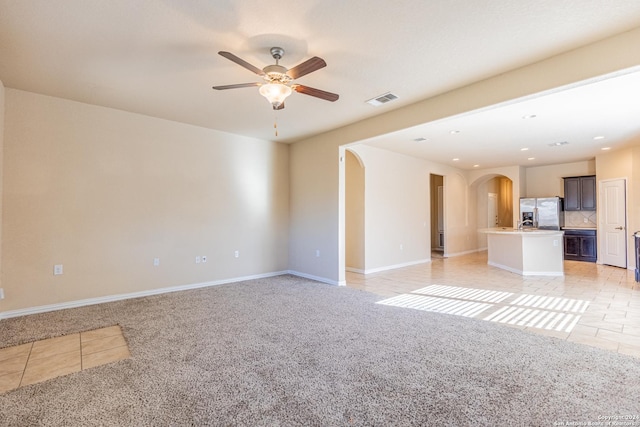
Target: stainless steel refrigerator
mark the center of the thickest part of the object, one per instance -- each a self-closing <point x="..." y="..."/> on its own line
<point x="543" y="212"/>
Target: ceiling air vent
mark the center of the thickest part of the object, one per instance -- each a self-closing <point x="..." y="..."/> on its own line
<point x="558" y="144"/>
<point x="382" y="99"/>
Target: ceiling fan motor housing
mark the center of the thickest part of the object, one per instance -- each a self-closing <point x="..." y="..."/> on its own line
<point x="276" y="73"/>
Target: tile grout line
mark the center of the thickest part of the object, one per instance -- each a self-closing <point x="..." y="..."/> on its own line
<point x="80" y="343"/>
<point x="25" y="365"/>
<point x="24" y="369"/>
<point x="108" y="349"/>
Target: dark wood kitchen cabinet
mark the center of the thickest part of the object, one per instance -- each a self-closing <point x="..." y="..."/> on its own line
<point x="580" y="193"/>
<point x="580" y="245"/>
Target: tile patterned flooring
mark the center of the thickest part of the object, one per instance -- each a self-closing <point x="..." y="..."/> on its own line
<point x="42" y="360"/>
<point x="600" y="304"/>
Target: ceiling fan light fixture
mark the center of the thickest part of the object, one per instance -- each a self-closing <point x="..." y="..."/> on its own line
<point x="278" y="80"/>
<point x="275" y="93"/>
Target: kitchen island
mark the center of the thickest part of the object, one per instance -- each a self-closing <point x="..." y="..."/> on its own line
<point x="529" y="252"/>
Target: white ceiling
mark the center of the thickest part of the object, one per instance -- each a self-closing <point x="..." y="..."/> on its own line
<point x="585" y="119"/>
<point x="159" y="58"/>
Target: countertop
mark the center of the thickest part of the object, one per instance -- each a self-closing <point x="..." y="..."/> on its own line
<point x="525" y="231"/>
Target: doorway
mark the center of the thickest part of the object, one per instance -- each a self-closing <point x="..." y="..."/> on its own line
<point x="492" y="211"/>
<point x="437" y="215"/>
<point x="494" y="204"/>
<point x="354" y="213"/>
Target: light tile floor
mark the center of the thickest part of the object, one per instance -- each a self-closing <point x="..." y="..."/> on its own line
<point x="42" y="360"/>
<point x="611" y="320"/>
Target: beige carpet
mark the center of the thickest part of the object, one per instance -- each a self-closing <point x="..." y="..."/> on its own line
<point x="288" y="351"/>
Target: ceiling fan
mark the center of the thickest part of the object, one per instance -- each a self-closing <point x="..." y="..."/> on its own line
<point x="278" y="80"/>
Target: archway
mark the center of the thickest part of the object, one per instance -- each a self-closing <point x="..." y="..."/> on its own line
<point x="494" y="203"/>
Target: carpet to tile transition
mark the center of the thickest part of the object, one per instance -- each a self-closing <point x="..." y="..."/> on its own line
<point x="289" y="351"/>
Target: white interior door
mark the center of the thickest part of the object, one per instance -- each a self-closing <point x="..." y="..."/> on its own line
<point x="492" y="211"/>
<point x="613" y="221"/>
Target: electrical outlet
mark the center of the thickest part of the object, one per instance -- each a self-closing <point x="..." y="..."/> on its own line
<point x="236" y="254"/>
<point x="555" y="242"/>
<point x="1" y="293"/>
<point x="57" y="269"/>
<point x="401" y="247"/>
<point x="198" y="259"/>
<point x="204" y="258"/>
<point x="156" y="262"/>
<point x="586" y="220"/>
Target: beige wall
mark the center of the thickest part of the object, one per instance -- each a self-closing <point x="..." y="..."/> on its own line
<point x="104" y="192"/>
<point x="459" y="212"/>
<point x="313" y="229"/>
<point x="547" y="181"/>
<point x="396" y="209"/>
<point x="354" y="213"/>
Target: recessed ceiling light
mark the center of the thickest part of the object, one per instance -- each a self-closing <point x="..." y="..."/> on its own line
<point x="529" y="116"/>
<point x="453" y="132"/>
<point x="598" y="137"/>
<point x="524" y="149"/>
<point x="456" y="159"/>
<point x="531" y="158"/>
<point x="476" y="166"/>
<point x="606" y="148"/>
<point x="558" y="144"/>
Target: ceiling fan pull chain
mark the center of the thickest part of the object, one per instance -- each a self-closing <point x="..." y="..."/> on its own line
<point x="275" y="122"/>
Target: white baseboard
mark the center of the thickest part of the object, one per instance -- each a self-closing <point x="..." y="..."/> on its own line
<point x="449" y="255"/>
<point x="543" y="273"/>
<point x="395" y="266"/>
<point x="525" y="273"/>
<point x="110" y="298"/>
<point x="317" y="278"/>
